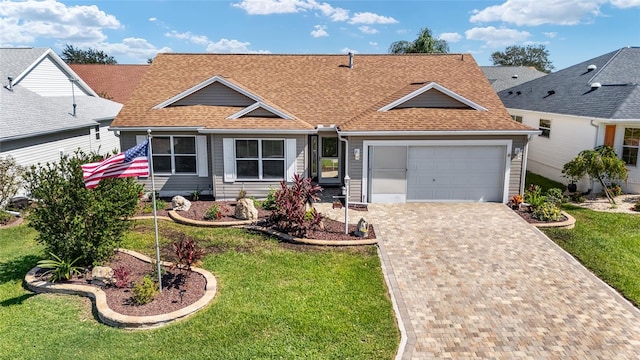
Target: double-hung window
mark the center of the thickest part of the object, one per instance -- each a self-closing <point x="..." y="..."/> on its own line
<point x="630" y="146"/>
<point x="517" y="118"/>
<point x="260" y="159"/>
<point x="174" y="154"/>
<point x="545" y="127"/>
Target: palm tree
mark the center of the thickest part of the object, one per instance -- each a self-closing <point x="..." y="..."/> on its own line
<point x="425" y="43"/>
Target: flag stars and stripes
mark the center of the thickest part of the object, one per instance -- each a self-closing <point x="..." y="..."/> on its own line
<point x="133" y="162"/>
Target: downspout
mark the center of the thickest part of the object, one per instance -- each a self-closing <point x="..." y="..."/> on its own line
<point x="595" y="143"/>
<point x="525" y="156"/>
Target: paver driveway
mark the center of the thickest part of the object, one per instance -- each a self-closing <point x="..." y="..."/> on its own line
<point x="476" y="281"/>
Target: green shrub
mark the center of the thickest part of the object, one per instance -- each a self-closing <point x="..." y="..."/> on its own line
<point x="5" y="217"/>
<point x="636" y="206"/>
<point x="270" y="202"/>
<point x="615" y="190"/>
<point x="547" y="211"/>
<point x="73" y="221"/>
<point x="555" y="196"/>
<point x="213" y="213"/>
<point x="578" y="198"/>
<point x="145" y="291"/>
<point x="533" y="196"/>
<point x="148" y="206"/>
<point x="60" y="269"/>
<point x="10" y="179"/>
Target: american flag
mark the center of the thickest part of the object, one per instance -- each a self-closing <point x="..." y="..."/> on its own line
<point x="133" y="162"/>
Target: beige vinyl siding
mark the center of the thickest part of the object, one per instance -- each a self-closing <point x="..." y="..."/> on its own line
<point x="49" y="79"/>
<point x="432" y="99"/>
<point x="216" y="94"/>
<point x="259" y="189"/>
<point x="170" y="185"/>
<point x="355" y="166"/>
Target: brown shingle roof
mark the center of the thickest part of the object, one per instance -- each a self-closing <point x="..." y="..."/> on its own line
<point x="114" y="82"/>
<point x="319" y="89"/>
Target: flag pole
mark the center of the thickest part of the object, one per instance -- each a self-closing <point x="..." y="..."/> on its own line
<point x="155" y="212"/>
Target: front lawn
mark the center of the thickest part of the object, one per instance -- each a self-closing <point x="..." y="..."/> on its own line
<point x="606" y="243"/>
<point x="274" y="300"/>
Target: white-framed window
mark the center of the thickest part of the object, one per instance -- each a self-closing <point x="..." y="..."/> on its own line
<point x="517" y="118"/>
<point x="260" y="159"/>
<point x="630" y="146"/>
<point x="545" y="127"/>
<point x="174" y="154"/>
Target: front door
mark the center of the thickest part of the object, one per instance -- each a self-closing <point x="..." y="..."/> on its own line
<point x="329" y="160"/>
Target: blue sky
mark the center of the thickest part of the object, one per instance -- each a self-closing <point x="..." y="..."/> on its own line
<point x="133" y="31"/>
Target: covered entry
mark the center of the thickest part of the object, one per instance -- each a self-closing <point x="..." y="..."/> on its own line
<point x="437" y="171"/>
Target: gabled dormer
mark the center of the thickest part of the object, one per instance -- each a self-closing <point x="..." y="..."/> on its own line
<point x="216" y="91"/>
<point x="432" y="95"/>
<point x="260" y="109"/>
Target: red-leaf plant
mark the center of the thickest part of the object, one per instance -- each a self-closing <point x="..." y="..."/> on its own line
<point x="187" y="253"/>
<point x="292" y="214"/>
<point x="123" y="276"/>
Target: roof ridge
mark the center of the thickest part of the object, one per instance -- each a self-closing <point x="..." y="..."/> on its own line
<point x="604" y="66"/>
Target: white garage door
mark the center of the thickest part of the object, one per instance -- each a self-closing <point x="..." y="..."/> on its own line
<point x="449" y="173"/>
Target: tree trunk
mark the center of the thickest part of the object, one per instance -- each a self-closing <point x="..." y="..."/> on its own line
<point x="606" y="191"/>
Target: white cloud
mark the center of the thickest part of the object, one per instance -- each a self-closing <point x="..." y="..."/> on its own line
<point x="373" y="43"/>
<point x="550" y="35"/>
<point x="320" y="31"/>
<point x="346" y="50"/>
<point x="22" y="22"/>
<point x="220" y="46"/>
<point x="623" y="4"/>
<point x="152" y="19"/>
<point x="136" y="48"/>
<point x="497" y="37"/>
<point x="371" y="18"/>
<point x="368" y="30"/>
<point x="536" y="12"/>
<point x="268" y="7"/>
<point x="450" y="37"/>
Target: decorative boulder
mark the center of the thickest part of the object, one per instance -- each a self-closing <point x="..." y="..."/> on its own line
<point x="245" y="210"/>
<point x="179" y="203"/>
<point x="102" y="276"/>
<point x="362" y="230"/>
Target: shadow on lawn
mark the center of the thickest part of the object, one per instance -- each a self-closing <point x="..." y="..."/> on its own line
<point x="17" y="268"/>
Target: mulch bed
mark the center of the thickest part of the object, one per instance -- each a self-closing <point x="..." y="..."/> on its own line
<point x="174" y="282"/>
<point x="333" y="230"/>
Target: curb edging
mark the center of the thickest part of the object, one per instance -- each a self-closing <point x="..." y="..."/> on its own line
<point x="118" y="320"/>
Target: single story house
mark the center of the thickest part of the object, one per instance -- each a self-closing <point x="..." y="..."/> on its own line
<point x="46" y="110"/>
<point x="400" y="128"/>
<point x="595" y="102"/>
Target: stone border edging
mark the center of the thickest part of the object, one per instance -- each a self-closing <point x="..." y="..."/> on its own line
<point x="186" y="221"/>
<point x="293" y="239"/>
<point x="150" y="217"/>
<point x="19" y="221"/>
<point x="112" y="318"/>
<point x="570" y="223"/>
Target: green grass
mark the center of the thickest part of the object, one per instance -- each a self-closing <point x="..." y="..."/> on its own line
<point x="273" y="301"/>
<point x="606" y="243"/>
<point x="543" y="182"/>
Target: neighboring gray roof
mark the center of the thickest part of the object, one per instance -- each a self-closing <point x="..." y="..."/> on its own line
<point x="24" y="113"/>
<point x="13" y="61"/>
<point x="569" y="91"/>
<point x="504" y="77"/>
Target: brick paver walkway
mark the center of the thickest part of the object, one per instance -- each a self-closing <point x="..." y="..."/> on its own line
<point x="476" y="281"/>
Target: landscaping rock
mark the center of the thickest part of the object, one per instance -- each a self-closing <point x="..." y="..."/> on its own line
<point x="362" y="230"/>
<point x="246" y="210"/>
<point x="179" y="203"/>
<point x="102" y="276"/>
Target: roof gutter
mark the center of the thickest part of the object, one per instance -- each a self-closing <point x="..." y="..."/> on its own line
<point x="440" y="132"/>
<point x="154" y="128"/>
<point x="41" y="133"/>
<point x="256" y="131"/>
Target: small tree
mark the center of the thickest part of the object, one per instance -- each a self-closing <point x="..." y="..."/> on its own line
<point x="76" y="222"/>
<point x="530" y="55"/>
<point x="425" y="43"/>
<point x="74" y="55"/>
<point x="601" y="164"/>
<point x="10" y="179"/>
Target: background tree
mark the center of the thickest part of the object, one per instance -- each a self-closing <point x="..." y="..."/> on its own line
<point x="601" y="164"/>
<point x="74" y="221"/>
<point x="10" y="179"/>
<point x="536" y="56"/>
<point x="425" y="43"/>
<point x="73" y="55"/>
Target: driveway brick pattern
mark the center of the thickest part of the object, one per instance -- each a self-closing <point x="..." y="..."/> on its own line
<point x="476" y="281"/>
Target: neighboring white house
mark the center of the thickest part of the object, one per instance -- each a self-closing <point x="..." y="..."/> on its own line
<point x="592" y="103"/>
<point x="46" y="110"/>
